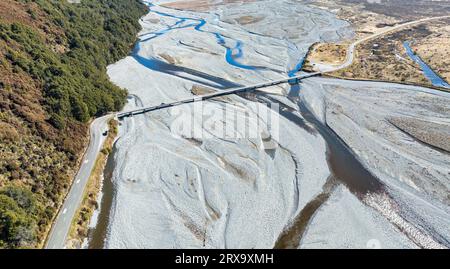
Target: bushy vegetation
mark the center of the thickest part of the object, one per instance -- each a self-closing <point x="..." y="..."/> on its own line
<point x="53" y="58"/>
<point x="17" y="217"/>
<point x="96" y="33"/>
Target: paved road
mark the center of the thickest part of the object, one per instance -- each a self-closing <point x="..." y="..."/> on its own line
<point x="61" y="226"/>
<point x="351" y="48"/>
<point x="60" y="229"/>
<point x="58" y="234"/>
<point x="331" y="68"/>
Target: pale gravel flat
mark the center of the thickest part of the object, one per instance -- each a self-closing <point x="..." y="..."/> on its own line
<point x="417" y="176"/>
<point x="330" y="226"/>
<point x="172" y="192"/>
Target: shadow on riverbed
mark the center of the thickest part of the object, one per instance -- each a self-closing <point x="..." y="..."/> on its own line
<point x="343" y="162"/>
<point x="185" y="73"/>
<point x="290" y="237"/>
<point x="344" y="166"/>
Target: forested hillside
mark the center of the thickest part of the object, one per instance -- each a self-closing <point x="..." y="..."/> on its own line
<point x="53" y="58"/>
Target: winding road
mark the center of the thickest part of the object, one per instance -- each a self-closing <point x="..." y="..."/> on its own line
<point x="61" y="227"/>
<point x="351" y="49"/>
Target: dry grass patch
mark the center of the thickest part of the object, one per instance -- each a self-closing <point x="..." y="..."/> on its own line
<point x="326" y="53"/>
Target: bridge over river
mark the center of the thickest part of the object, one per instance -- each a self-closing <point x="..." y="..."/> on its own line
<point x="291" y="80"/>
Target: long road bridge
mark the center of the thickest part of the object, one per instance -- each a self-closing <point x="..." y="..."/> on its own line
<point x="291" y="80"/>
<point x="58" y="235"/>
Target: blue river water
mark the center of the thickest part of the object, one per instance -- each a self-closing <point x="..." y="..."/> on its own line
<point x="182" y="72"/>
<point x="232" y="54"/>
<point x="297" y="68"/>
<point x="434" y="78"/>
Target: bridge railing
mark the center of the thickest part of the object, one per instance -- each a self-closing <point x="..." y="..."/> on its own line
<point x="292" y="81"/>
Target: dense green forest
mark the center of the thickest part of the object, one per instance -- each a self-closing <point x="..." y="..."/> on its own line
<point x="53" y="58"/>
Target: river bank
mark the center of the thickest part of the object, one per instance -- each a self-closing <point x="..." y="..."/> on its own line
<point x="173" y="189"/>
<point x="204" y="167"/>
<point x="85" y="214"/>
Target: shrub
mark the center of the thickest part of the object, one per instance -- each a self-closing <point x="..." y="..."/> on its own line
<point x="17" y="223"/>
<point x="75" y="83"/>
<point x="53" y="80"/>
